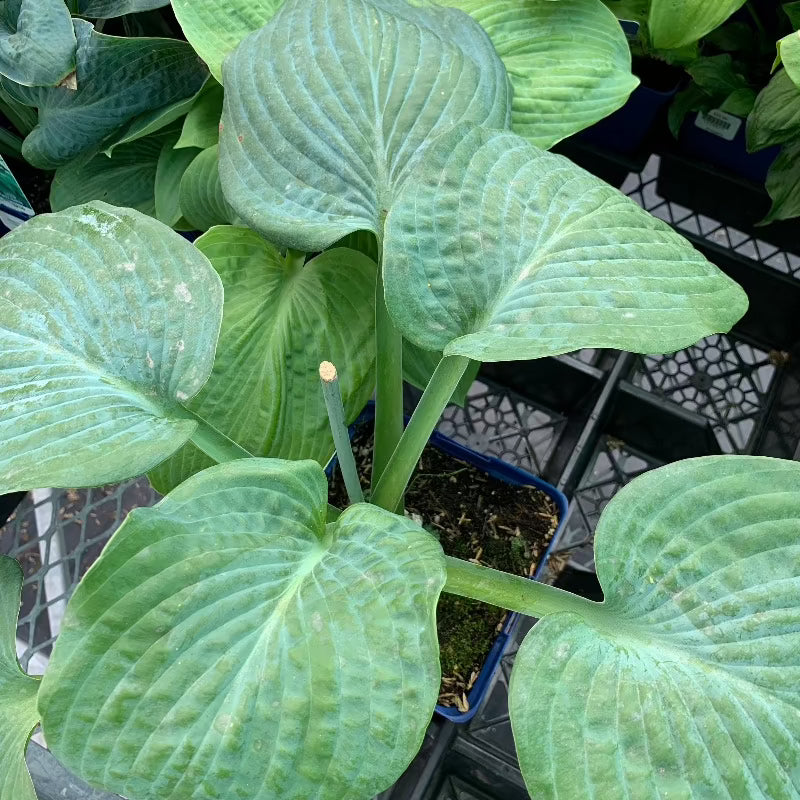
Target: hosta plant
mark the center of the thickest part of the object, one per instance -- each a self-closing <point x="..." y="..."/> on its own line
<point x="241" y="639"/>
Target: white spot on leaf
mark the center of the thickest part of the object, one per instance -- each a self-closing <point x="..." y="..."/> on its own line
<point x="149" y="359"/>
<point x="316" y="621"/>
<point x="182" y="293"/>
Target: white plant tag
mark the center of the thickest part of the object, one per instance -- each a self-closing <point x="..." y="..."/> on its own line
<point x="720" y="123"/>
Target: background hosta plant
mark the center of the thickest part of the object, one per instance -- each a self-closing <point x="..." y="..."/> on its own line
<point x="243" y="639"/>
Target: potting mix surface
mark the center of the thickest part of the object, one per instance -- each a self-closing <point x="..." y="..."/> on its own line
<point x="476" y="518"/>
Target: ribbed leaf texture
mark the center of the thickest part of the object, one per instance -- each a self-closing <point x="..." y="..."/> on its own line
<point x="109" y="323"/>
<point x="675" y="23"/>
<point x="228" y="643"/>
<point x="497" y="250"/>
<point x="125" y="178"/>
<point x="569" y="62"/>
<point x="281" y="319"/>
<point x="327" y="106"/>
<point x="37" y="42"/>
<point x="215" y="29"/>
<point x="118" y="78"/>
<point x="686" y="683"/>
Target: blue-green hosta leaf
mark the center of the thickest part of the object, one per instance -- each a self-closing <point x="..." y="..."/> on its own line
<point x="569" y="62"/>
<point x="125" y="178"/>
<point x="108" y="321"/>
<point x="172" y="165"/>
<point x="37" y="42"/>
<point x="775" y="117"/>
<point x="684" y="684"/>
<point x="116" y="8"/>
<point x="202" y="202"/>
<point x="326" y="106"/>
<point x="153" y="121"/>
<point x="215" y="29"/>
<point x="789" y="56"/>
<point x="118" y="78"/>
<point x="674" y="23"/>
<point x="542" y="258"/>
<point x="783" y="184"/>
<point x="228" y="643"/>
<point x="201" y="126"/>
<point x="18" y="713"/>
<point x="280" y="320"/>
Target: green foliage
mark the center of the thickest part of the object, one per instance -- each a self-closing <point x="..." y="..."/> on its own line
<point x="230" y="642"/>
<point x="172" y="164"/>
<point x="674" y="23"/>
<point x="318" y="135"/>
<point x="314" y="677"/>
<point x="18" y="691"/>
<point x="112" y="324"/>
<point x="215" y="29"/>
<point x="116" y="8"/>
<point x="117" y="79"/>
<point x="783" y="184"/>
<point x="789" y="56"/>
<point x="201" y="199"/>
<point x="682" y="683"/>
<point x="281" y="318"/>
<point x="201" y="126"/>
<point x="125" y="178"/>
<point x="568" y="263"/>
<point x="37" y="42"/>
<point x="776" y="115"/>
<point x="569" y="62"/>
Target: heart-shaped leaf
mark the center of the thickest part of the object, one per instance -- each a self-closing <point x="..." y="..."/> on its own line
<point x="569" y="62"/>
<point x="202" y="202"/>
<point x="498" y="251"/>
<point x="116" y="8"/>
<point x="37" y="42"/>
<point x="281" y="319"/>
<point x="228" y="643"/>
<point x="118" y="78"/>
<point x="674" y="23"/>
<point x="201" y="126"/>
<point x="775" y="117"/>
<point x="109" y="322"/>
<point x="125" y="178"/>
<point x="684" y="683"/>
<point x="319" y="130"/>
<point x="215" y="29"/>
<point x="18" y="713"/>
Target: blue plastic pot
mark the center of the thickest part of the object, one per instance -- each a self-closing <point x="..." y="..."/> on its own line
<point x="625" y="130"/>
<point x="728" y="152"/>
<point x="516" y="477"/>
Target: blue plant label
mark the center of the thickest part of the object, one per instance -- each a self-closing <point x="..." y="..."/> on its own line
<point x="720" y="123"/>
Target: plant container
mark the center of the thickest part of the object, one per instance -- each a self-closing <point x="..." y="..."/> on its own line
<point x="515" y="476"/>
<point x="626" y="129"/>
<point x="718" y="138"/>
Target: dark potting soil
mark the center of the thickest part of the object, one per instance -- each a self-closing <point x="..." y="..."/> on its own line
<point x="35" y="183"/>
<point x="477" y="518"/>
